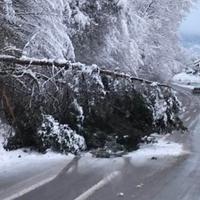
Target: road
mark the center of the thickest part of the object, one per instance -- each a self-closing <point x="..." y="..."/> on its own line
<point x="163" y="179"/>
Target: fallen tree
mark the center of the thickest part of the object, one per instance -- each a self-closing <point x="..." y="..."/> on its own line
<point x="66" y="64"/>
<point x="58" y="105"/>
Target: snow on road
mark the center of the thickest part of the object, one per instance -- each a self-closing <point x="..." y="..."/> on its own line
<point x="23" y="160"/>
<point x="23" y="170"/>
<point x="17" y="167"/>
<point x="14" y="162"/>
<point x="187" y="79"/>
<point x="21" y="166"/>
<point x="162" y="148"/>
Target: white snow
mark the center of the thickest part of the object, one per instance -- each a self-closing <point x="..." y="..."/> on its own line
<point x="44" y="60"/>
<point x="9" y="11"/>
<point x="21" y="171"/>
<point x="49" y="36"/>
<point x="140" y="185"/>
<point x="55" y="22"/>
<point x="160" y="109"/>
<point x="16" y="161"/>
<point x="81" y="19"/>
<point x="89" y="163"/>
<point x="162" y="148"/>
<point x="120" y="194"/>
<point x="79" y="108"/>
<point x="154" y="84"/>
<point x="186" y="78"/>
<point x="6" y="56"/>
<point x="93" y="71"/>
<point x="184" y="85"/>
<point x="123" y="4"/>
<point x="63" y="133"/>
<point x="12" y="163"/>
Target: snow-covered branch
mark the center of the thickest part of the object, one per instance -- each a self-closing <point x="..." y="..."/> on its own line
<point x="36" y="62"/>
<point x="64" y="64"/>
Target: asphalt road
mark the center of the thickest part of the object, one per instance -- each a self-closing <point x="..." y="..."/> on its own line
<point x="163" y="179"/>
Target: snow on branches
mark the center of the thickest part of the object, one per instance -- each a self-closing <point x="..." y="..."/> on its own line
<point x="86" y="100"/>
<point x="137" y="36"/>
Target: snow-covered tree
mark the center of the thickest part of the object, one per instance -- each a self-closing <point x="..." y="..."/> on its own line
<point x="137" y="36"/>
<point x="162" y="52"/>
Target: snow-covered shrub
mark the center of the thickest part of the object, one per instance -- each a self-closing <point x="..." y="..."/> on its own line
<point x="59" y="137"/>
<point x="164" y="105"/>
<point x="6" y="131"/>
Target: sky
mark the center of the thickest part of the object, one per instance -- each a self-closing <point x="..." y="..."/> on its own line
<point x="191" y="24"/>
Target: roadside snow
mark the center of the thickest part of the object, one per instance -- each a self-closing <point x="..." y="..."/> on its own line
<point x="88" y="163"/>
<point x="187" y="79"/>
<point x="160" y="149"/>
<point x="22" y="169"/>
<point x="13" y="162"/>
<point x="21" y="161"/>
<point x="21" y="172"/>
<point x="184" y="86"/>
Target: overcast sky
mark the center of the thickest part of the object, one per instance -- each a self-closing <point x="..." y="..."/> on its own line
<point x="191" y="24"/>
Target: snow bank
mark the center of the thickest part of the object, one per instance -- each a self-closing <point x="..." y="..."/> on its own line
<point x="89" y="163"/>
<point x="160" y="149"/>
<point x="185" y="78"/>
<point x="13" y="162"/>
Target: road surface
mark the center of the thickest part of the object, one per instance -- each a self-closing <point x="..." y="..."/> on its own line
<point x="162" y="179"/>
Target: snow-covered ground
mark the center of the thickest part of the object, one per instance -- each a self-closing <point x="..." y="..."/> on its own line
<point x="25" y="171"/>
<point x="161" y="148"/>
<point x="187" y="79"/>
<point x="15" y="161"/>
<point x="20" y="169"/>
